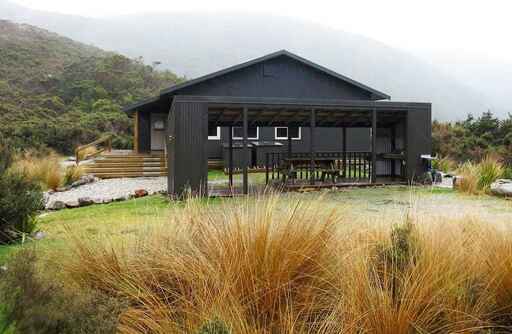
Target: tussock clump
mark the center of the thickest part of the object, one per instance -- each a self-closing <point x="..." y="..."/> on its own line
<point x="478" y="177"/>
<point x="45" y="169"/>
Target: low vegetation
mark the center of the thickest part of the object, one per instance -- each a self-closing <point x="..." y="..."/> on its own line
<point x="279" y="264"/>
<point x="61" y="99"/>
<point x="20" y="199"/>
<point x="476" y="178"/>
<point x="474" y="138"/>
<point x="45" y="168"/>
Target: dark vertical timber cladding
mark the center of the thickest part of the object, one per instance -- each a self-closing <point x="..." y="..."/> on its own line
<point x="418" y="140"/>
<point x="188" y="161"/>
<point x="374" y="146"/>
<point x="144" y="135"/>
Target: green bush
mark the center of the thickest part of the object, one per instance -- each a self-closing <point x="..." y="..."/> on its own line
<point x="20" y="199"/>
<point x="34" y="303"/>
<point x="215" y="326"/>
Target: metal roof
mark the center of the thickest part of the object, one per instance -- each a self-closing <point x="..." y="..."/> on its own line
<point x="175" y="89"/>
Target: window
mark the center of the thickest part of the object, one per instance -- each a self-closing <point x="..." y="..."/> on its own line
<point x="281" y="133"/>
<point x="252" y="133"/>
<point x="214" y="133"/>
<point x="159" y="125"/>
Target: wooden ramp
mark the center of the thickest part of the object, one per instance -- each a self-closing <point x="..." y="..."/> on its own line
<point x="116" y="165"/>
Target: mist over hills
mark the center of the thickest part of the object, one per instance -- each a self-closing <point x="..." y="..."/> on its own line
<point x="194" y="44"/>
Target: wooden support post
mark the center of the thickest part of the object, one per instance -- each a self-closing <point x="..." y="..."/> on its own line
<point x="136" y="132"/>
<point x="393" y="149"/>
<point x="230" y="157"/>
<point x="312" y="147"/>
<point x="245" y="153"/>
<point x="344" y="135"/>
<point x="289" y="144"/>
<point x="374" y="145"/>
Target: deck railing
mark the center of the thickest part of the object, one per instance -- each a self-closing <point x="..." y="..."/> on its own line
<point x="104" y="144"/>
<point x="352" y="166"/>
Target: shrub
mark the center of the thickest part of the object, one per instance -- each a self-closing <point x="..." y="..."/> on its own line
<point x="477" y="178"/>
<point x="20" y="199"/>
<point x="468" y="183"/>
<point x="38" y="304"/>
<point x="45" y="169"/>
<point x="490" y="169"/>
<point x="73" y="173"/>
<point x="445" y="164"/>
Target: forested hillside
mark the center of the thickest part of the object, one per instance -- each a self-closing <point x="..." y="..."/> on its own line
<point x="59" y="93"/>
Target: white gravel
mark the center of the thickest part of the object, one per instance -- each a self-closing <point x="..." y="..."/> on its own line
<point x="111" y="188"/>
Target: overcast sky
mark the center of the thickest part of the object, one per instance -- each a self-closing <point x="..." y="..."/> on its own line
<point x="453" y="28"/>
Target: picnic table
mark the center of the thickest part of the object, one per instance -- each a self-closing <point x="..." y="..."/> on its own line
<point x="326" y="166"/>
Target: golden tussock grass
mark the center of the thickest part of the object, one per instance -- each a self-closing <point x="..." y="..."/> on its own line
<point x="478" y="177"/>
<point x="275" y="265"/>
<point x="45" y="169"/>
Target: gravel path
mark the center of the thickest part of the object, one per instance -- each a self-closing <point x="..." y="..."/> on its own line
<point x="111" y="189"/>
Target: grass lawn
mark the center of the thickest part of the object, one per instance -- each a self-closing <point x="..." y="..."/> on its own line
<point x="129" y="217"/>
<point x="362" y="204"/>
<point x="123" y="220"/>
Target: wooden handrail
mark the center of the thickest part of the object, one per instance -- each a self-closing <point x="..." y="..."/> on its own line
<point x="105" y="139"/>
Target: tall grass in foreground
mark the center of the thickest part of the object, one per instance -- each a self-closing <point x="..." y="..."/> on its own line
<point x="271" y="265"/>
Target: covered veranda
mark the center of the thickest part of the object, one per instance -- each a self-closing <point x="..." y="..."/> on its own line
<point x="399" y="132"/>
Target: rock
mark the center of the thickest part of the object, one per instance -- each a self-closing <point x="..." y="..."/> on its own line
<point x="502" y="187"/>
<point x="141" y="193"/>
<point x="72" y="204"/>
<point x="3" y="268"/>
<point x="61" y="189"/>
<point x="79" y="183"/>
<point x="107" y="200"/>
<point x="120" y="198"/>
<point x="85" y="201"/>
<point x="98" y="200"/>
<point x="56" y="205"/>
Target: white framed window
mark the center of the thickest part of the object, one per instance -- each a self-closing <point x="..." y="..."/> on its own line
<point x="214" y="133"/>
<point x="281" y="133"/>
<point x="253" y="133"/>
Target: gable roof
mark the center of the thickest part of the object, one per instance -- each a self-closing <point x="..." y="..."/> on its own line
<point x="376" y="93"/>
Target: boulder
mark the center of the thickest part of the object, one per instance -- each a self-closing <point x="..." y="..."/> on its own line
<point x="85" y="201"/>
<point x="107" y="200"/>
<point x="79" y="183"/>
<point x="72" y="204"/>
<point x="61" y="189"/>
<point x="98" y="200"/>
<point x="502" y="187"/>
<point x="56" y="205"/>
<point x="120" y="198"/>
<point x="141" y="193"/>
